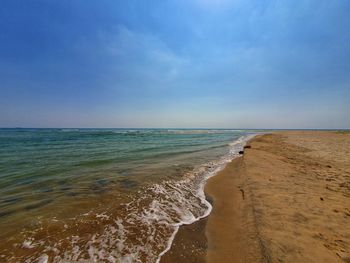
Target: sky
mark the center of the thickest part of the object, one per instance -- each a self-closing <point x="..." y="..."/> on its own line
<point x="180" y="63"/>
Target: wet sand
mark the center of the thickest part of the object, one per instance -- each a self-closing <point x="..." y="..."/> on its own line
<point x="287" y="199"/>
<point x="190" y="244"/>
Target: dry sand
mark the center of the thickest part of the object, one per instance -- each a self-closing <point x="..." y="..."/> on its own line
<point x="286" y="200"/>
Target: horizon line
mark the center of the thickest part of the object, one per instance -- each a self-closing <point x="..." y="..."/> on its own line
<point x="176" y="128"/>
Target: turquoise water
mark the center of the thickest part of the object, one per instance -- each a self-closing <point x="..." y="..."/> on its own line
<point x="61" y="174"/>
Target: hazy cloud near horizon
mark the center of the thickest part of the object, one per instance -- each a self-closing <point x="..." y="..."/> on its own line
<point x="198" y="63"/>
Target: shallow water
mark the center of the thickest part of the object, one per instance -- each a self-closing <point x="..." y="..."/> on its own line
<point x="113" y="195"/>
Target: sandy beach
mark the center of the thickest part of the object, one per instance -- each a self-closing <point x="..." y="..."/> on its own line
<point x="287" y="199"/>
<point x="125" y="126"/>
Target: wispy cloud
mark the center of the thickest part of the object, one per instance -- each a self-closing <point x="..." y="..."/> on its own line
<point x="142" y="58"/>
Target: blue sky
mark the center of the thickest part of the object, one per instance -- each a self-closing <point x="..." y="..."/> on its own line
<point x="184" y="63"/>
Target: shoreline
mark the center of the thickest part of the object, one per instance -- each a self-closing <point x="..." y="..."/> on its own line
<point x="284" y="200"/>
<point x="182" y="238"/>
<point x="231" y="230"/>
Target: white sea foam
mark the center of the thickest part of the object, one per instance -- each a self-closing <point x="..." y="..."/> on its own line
<point x="43" y="258"/>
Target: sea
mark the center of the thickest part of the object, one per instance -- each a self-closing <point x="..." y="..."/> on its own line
<point x="105" y="195"/>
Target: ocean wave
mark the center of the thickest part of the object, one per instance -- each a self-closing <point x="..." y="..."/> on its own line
<point x="141" y="230"/>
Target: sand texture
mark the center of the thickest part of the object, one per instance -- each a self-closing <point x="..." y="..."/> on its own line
<point x="286" y="200"/>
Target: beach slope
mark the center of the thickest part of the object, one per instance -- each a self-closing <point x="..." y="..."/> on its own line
<point x="286" y="200"/>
